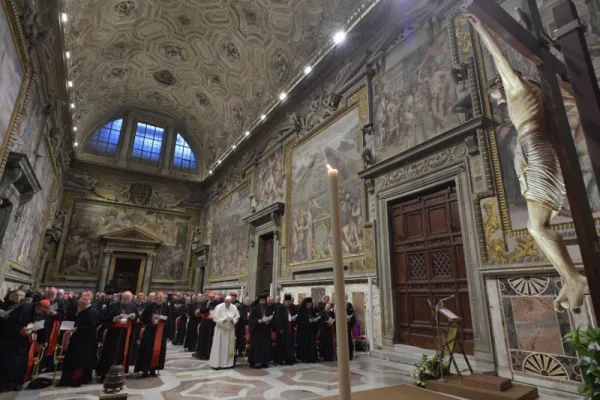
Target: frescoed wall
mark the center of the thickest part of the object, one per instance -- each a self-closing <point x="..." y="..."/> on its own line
<point x="229" y="246"/>
<point x="11" y="71"/>
<point x="35" y="213"/>
<point x="90" y="220"/>
<point x="337" y="145"/>
<point x="414" y="92"/>
<point x="271" y="181"/>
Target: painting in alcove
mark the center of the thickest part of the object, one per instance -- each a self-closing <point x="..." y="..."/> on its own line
<point x="229" y="248"/>
<point x="30" y="128"/>
<point x="414" y="93"/>
<point x="11" y="72"/>
<point x="90" y="220"/>
<point x="506" y="134"/>
<point x="271" y="181"/>
<point x="34" y="217"/>
<point x="309" y="233"/>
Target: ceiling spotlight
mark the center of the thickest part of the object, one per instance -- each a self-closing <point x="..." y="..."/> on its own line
<point x="63" y="17"/>
<point x="72" y="105"/>
<point x="210" y="172"/>
<point x="74" y="129"/>
<point x="339" y="37"/>
<point x="247" y="133"/>
<point x="70" y="83"/>
<point x="76" y="144"/>
<point x="282" y="96"/>
<point x="263" y="117"/>
<point x="218" y="162"/>
<point x="307" y="70"/>
<point x="67" y="54"/>
<point x="234" y="146"/>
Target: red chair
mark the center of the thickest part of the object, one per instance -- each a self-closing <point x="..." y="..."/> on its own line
<point x="38" y="353"/>
<point x="61" y="351"/>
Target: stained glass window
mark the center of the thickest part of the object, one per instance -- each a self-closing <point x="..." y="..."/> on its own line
<point x="183" y="157"/>
<point x="104" y="141"/>
<point x="147" y="144"/>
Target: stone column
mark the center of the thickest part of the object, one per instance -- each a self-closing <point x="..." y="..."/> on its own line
<point x="107" y="257"/>
<point x="148" y="273"/>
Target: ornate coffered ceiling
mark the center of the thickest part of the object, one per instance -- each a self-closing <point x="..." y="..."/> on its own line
<point x="213" y="64"/>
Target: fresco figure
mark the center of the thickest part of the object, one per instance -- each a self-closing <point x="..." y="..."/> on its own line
<point x="539" y="172"/>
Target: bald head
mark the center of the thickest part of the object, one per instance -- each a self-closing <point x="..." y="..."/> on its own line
<point x="126" y="297"/>
<point x="51" y="293"/>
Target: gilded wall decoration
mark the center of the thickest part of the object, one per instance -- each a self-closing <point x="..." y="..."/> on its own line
<point x="308" y="220"/>
<point x="229" y="243"/>
<point x="14" y="69"/>
<point x="533" y="330"/>
<point x="89" y="220"/>
<point x="36" y="212"/>
<point x="270" y="187"/>
<point x="414" y="92"/>
<point x="513" y="208"/>
<point x="29" y="130"/>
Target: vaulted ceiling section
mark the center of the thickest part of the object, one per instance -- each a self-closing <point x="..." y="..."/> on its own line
<point x="212" y="64"/>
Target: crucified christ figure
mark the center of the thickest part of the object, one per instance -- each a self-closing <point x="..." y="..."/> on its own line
<point x="538" y="169"/>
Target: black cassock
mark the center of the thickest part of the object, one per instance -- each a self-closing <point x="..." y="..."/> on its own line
<point x="179" y="315"/>
<point x="285" y="340"/>
<point x="177" y="310"/>
<point x="191" y="330"/>
<point x="351" y="321"/>
<point x="240" y="328"/>
<point x="206" y="330"/>
<point x="117" y="338"/>
<point x="81" y="357"/>
<point x="144" y="362"/>
<point x="306" y="335"/>
<point x="14" y="347"/>
<point x="327" y="349"/>
<point x="261" y="343"/>
<point x="137" y="330"/>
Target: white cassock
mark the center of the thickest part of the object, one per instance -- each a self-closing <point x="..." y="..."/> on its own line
<point x="223" y="346"/>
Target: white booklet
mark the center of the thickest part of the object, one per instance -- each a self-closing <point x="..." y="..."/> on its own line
<point x="39" y="325"/>
<point x="292" y="318"/>
<point x="330" y="321"/>
<point x="265" y="318"/>
<point x="54" y="307"/>
<point x="67" y="325"/>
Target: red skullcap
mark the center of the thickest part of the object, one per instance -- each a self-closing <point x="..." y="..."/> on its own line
<point x="45" y="303"/>
<point x="233" y="294"/>
<point x="140" y="293"/>
<point x="160" y="294"/>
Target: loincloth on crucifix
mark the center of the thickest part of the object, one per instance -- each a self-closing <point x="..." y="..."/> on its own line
<point x="538" y="168"/>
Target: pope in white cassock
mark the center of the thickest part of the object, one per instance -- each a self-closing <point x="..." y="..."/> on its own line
<point x="222" y="352"/>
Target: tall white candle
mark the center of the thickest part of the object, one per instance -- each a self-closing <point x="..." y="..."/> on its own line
<point x="341" y="325"/>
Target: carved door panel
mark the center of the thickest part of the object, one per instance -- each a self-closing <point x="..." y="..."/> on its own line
<point x="429" y="266"/>
<point x="265" y="269"/>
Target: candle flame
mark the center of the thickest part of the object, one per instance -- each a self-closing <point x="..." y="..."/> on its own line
<point x="328" y="167"/>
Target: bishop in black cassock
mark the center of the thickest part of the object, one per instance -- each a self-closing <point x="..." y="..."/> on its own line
<point x="308" y="327"/>
<point x="206" y="329"/>
<point x="153" y="345"/>
<point x="81" y="359"/>
<point x="285" y="328"/>
<point x="260" y="335"/>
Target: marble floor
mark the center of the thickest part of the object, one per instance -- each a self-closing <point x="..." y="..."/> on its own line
<point x="185" y="377"/>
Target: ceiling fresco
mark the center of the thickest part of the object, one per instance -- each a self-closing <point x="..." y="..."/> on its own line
<point x="212" y="64"/>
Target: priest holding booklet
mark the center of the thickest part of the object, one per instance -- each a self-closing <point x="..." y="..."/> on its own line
<point x="153" y="345"/>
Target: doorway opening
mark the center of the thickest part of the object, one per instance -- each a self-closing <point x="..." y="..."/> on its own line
<point x="428" y="264"/>
<point x="126" y="274"/>
<point x="264" y="271"/>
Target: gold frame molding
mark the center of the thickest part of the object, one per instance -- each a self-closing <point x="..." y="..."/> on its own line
<point x="355" y="99"/>
<point x="21" y="45"/>
<point x="215" y="279"/>
<point x="129" y="255"/>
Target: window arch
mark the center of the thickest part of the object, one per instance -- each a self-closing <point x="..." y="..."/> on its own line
<point x="184" y="159"/>
<point x="105" y="140"/>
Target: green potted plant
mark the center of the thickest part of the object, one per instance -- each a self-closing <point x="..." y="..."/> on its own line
<point x="587" y="344"/>
<point x="429" y="368"/>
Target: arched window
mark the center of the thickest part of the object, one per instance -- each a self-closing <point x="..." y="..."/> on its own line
<point x="147" y="144"/>
<point x="104" y="141"/>
<point x="183" y="156"/>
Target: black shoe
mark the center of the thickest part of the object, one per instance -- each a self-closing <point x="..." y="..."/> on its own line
<point x="153" y="374"/>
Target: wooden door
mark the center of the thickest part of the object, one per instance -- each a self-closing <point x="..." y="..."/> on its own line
<point x="429" y="264"/>
<point x="265" y="270"/>
<point x="126" y="275"/>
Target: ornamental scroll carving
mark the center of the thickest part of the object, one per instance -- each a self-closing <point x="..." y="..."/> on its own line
<point x="424" y="166"/>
